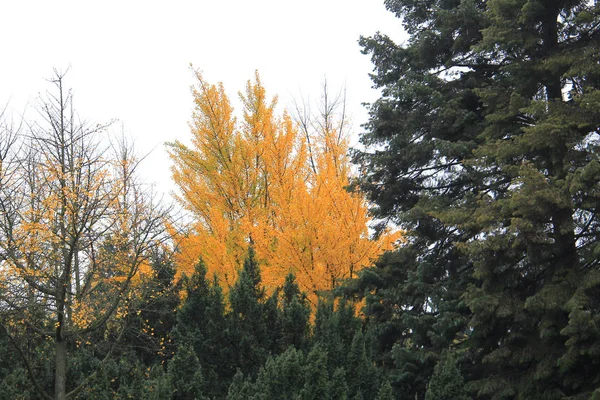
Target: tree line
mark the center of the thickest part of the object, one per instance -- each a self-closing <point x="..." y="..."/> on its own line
<point x="482" y="149"/>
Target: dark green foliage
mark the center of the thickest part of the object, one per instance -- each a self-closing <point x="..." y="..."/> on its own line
<point x="338" y="388"/>
<point x="202" y="324"/>
<point x="295" y="315"/>
<point x="240" y="388"/>
<point x="247" y="329"/>
<point x="281" y="377"/>
<point x="446" y="382"/>
<point x="185" y="374"/>
<point x="385" y="391"/>
<point x="484" y="146"/>
<point x="361" y="373"/>
<point x="334" y="330"/>
<point x="315" y="375"/>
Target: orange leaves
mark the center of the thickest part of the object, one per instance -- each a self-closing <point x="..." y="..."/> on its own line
<point x="267" y="182"/>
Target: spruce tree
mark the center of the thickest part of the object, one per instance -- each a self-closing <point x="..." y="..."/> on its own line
<point x="484" y="146"/>
<point x="385" y="391"/>
<point x="338" y="387"/>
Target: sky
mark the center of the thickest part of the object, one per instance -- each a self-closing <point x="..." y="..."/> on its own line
<point x="129" y="60"/>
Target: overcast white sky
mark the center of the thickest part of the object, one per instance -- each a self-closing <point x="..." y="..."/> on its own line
<point x="129" y="60"/>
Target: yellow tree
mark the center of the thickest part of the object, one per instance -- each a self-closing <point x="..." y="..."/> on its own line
<point x="75" y="230"/>
<point x="274" y="183"/>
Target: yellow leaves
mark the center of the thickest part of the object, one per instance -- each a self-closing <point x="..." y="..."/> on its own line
<point x="267" y="183"/>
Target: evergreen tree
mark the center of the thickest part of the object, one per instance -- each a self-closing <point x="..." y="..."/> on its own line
<point x="385" y="391"/>
<point x="201" y="322"/>
<point x="484" y="146"/>
<point x="338" y="387"/>
<point x="334" y="330"/>
<point x="446" y="382"/>
<point x="281" y="377"/>
<point x="295" y="315"/>
<point x="247" y="331"/>
<point x="315" y="375"/>
<point x="185" y="375"/>
<point x="154" y="312"/>
<point x="240" y="388"/>
<point x="362" y="374"/>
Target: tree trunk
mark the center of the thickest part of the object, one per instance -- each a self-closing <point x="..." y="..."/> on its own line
<point x="60" y="374"/>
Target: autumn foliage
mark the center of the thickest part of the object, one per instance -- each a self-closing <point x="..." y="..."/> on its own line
<point x="272" y="182"/>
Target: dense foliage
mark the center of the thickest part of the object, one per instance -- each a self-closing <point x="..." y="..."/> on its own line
<point x="484" y="145"/>
<point x="483" y="148"/>
<point x="275" y="183"/>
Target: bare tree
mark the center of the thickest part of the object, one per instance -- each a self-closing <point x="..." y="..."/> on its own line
<point x="75" y="228"/>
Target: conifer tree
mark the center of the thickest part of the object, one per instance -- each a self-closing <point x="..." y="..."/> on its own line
<point x="295" y="315"/>
<point x="338" y="387"/>
<point x="315" y="375"/>
<point x="385" y="391"/>
<point x="247" y="331"/>
<point x="185" y="374"/>
<point x="484" y="145"/>
<point x="446" y="382"/>
<point x="362" y="374"/>
<point x="201" y="323"/>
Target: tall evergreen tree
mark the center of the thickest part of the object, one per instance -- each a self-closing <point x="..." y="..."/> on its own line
<point x="201" y="323"/>
<point x="484" y="146"/>
<point x="247" y="330"/>
<point x="295" y="314"/>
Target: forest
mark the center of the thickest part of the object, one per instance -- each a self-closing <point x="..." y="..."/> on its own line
<point x="453" y="254"/>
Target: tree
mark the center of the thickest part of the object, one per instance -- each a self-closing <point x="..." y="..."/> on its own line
<point x="202" y="323"/>
<point x="185" y="374"/>
<point x="295" y="314"/>
<point x="446" y="381"/>
<point x="76" y="229"/>
<point x="265" y="182"/>
<point x="484" y="145"/>
<point x="247" y="330"/>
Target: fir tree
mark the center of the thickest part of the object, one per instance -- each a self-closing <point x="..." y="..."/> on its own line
<point x="484" y="146"/>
